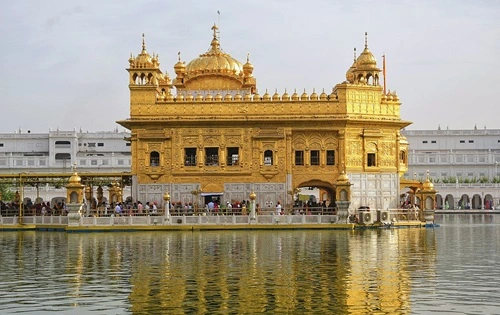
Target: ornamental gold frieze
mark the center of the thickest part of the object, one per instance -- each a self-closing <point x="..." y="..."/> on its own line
<point x="317" y="140"/>
<point x="205" y="111"/>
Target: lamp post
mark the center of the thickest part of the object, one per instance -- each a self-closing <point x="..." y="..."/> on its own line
<point x="166" y="197"/>
<point x="253" y="196"/>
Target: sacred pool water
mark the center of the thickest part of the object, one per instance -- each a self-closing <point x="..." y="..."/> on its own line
<point x="449" y="269"/>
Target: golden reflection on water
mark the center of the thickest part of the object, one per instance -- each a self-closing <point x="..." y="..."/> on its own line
<point x="315" y="272"/>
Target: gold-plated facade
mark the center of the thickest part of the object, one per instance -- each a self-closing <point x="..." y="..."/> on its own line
<point x="209" y="130"/>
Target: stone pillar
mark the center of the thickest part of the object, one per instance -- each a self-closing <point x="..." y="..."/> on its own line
<point x="88" y="198"/>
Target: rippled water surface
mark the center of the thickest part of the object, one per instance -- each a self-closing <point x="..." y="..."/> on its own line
<point x="452" y="269"/>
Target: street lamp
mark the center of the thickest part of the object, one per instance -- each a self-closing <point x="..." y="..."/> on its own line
<point x="166" y="197"/>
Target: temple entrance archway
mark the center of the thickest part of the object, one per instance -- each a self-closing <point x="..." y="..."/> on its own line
<point x="314" y="197"/>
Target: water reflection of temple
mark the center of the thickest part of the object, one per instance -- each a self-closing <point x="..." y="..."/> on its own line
<point x="319" y="271"/>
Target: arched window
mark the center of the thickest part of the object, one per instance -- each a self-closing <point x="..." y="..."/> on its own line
<point x="268" y="157"/>
<point x="154" y="159"/>
<point x="402" y="156"/>
<point x="73" y="197"/>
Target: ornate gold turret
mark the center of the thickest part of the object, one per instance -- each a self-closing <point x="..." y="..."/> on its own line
<point x="74" y="189"/>
<point x="364" y="69"/>
<point x="144" y="73"/>
<point x="214" y="70"/>
<point x="428" y="198"/>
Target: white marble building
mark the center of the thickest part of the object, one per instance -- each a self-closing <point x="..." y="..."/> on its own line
<point x="463" y="165"/>
<point x="23" y="152"/>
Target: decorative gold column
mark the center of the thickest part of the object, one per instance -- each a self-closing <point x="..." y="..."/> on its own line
<point x="74" y="198"/>
<point x="428" y="201"/>
<point x="253" y="196"/>
<point x="343" y="197"/>
<point x="166" y="197"/>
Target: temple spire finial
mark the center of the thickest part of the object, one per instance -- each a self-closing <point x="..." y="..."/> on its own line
<point x="215" y="29"/>
<point x="366" y="39"/>
<point x="143" y="42"/>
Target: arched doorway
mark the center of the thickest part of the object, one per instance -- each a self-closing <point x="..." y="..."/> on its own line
<point x="464" y="202"/>
<point x="449" y="202"/>
<point x="476" y="202"/>
<point x="314" y="197"/>
<point x="488" y="202"/>
<point x="439" y="201"/>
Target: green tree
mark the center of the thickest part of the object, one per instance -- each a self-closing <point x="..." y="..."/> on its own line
<point x="7" y="195"/>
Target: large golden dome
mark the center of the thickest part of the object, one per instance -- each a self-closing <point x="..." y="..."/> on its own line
<point x="214" y="61"/>
<point x="214" y="70"/>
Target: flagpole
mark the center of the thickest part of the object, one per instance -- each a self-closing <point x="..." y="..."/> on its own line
<point x="383" y="69"/>
<point x="218" y="22"/>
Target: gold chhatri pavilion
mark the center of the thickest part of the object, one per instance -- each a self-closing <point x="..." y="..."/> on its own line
<point x="208" y="132"/>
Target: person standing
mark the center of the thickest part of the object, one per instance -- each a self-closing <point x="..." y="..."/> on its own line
<point x="278" y="208"/>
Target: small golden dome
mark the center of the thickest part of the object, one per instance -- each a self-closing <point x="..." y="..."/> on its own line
<point x="209" y="97"/>
<point x="285" y="96"/>
<point x="180" y="67"/>
<point x="143" y="60"/>
<point x="350" y="75"/>
<point x="389" y="97"/>
<point x="256" y="96"/>
<point x="276" y="96"/>
<point x="218" y="96"/>
<point x="323" y="96"/>
<point x="247" y="97"/>
<point x="189" y="97"/>
<point x="366" y="61"/>
<point x="333" y="96"/>
<point x="169" y="97"/>
<point x="266" y="96"/>
<point x="75" y="179"/>
<point x="179" y="98"/>
<point x="238" y="97"/>
<point x="295" y="96"/>
<point x="304" y="96"/>
<point x="253" y="196"/>
<point x="314" y="96"/>
<point x="248" y="67"/>
<point x="199" y="97"/>
<point x="228" y="97"/>
<point x="343" y="178"/>
<point x="384" y="97"/>
<point x="428" y="185"/>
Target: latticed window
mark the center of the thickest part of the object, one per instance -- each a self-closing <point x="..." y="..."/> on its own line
<point x="299" y="157"/>
<point x="154" y="159"/>
<point x="190" y="156"/>
<point x="211" y="156"/>
<point x="314" y="157"/>
<point x="330" y="157"/>
<point x="371" y="161"/>
<point x="233" y="157"/>
<point x="268" y="157"/>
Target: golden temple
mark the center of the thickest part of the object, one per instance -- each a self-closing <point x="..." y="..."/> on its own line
<point x="209" y="133"/>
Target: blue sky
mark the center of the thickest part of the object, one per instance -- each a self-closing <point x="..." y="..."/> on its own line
<point x="63" y="62"/>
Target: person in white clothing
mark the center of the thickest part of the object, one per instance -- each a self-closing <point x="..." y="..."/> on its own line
<point x="278" y="208"/>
